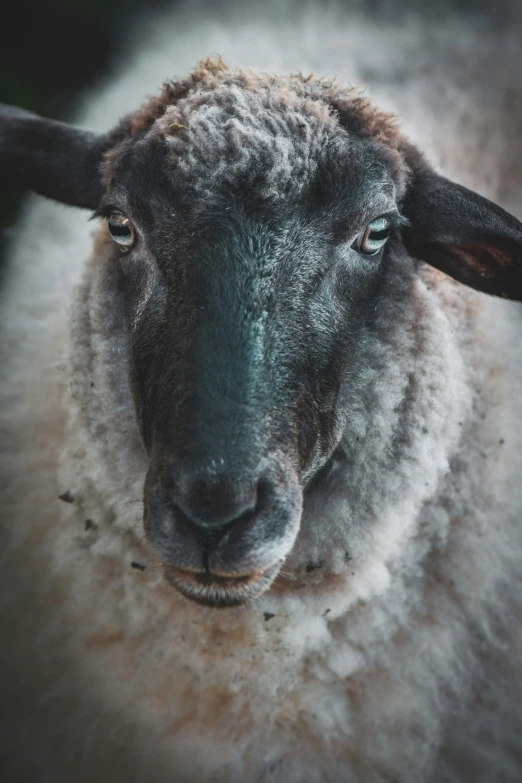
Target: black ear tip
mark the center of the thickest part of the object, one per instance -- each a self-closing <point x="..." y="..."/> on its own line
<point x="464" y="235"/>
<point x="52" y="158"/>
<point x="8" y="111"/>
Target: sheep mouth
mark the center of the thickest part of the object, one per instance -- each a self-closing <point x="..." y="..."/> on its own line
<point x="220" y="590"/>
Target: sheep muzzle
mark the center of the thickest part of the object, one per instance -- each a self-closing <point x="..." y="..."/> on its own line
<point x="222" y="536"/>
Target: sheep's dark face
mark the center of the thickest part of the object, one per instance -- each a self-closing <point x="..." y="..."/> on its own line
<point x="254" y="228"/>
<point x="246" y="296"/>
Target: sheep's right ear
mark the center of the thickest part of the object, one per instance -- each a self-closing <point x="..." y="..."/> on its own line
<point x="462" y="233"/>
<point x="52" y="158"/>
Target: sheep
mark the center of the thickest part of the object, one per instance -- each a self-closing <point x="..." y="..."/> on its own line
<point x="261" y="450"/>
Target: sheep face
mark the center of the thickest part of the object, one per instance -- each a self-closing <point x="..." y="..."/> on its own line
<point x="261" y="235"/>
<point x="247" y="295"/>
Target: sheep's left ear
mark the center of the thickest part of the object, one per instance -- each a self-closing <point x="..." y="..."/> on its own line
<point x="463" y="234"/>
<point x="52" y="158"/>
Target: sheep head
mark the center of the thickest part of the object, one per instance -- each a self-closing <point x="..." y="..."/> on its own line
<point x="258" y="223"/>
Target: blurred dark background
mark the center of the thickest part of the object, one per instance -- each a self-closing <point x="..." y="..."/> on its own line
<point x="50" y="51"/>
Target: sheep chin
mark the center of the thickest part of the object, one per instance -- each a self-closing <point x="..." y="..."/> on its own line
<point x="221" y="592"/>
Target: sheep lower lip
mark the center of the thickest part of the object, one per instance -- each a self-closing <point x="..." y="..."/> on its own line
<point x="220" y="590"/>
<point x="216" y="579"/>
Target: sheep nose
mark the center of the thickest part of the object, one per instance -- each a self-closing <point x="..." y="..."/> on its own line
<point x="215" y="503"/>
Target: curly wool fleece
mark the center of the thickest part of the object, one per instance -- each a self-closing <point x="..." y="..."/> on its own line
<point x="222" y="123"/>
<point x="396" y="658"/>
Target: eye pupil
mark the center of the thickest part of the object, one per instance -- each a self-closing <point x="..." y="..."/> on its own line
<point x="121" y="230"/>
<point x="374" y="237"/>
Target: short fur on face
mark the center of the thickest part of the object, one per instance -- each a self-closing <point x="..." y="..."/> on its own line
<point x="248" y="302"/>
<point x="250" y="298"/>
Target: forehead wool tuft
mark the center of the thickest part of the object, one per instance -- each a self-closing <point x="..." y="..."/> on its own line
<point x="223" y="125"/>
<point x="260" y="129"/>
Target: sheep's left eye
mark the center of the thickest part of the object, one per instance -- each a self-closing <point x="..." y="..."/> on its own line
<point x="374" y="236"/>
<point x="121" y="230"/>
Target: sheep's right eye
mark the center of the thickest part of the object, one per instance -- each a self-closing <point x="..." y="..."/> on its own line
<point x="374" y="237"/>
<point x="122" y="231"/>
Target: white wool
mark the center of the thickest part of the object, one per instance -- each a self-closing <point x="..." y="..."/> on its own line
<point x="398" y="659"/>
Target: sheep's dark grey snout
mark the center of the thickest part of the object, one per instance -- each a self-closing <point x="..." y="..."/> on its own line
<point x="222" y="532"/>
